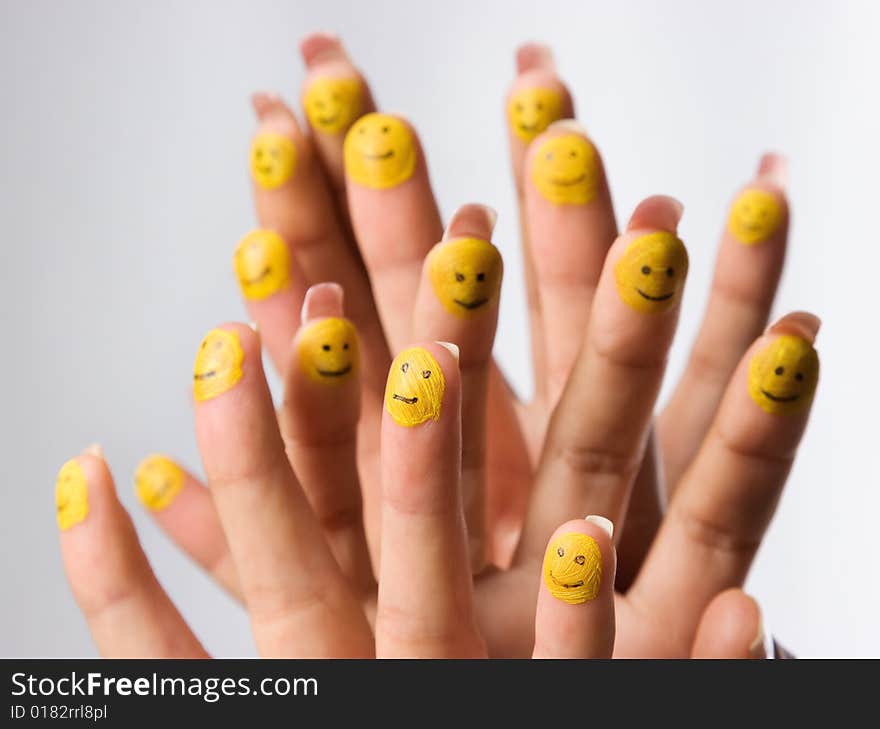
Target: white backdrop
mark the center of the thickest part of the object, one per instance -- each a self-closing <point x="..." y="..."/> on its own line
<point x="124" y="132"/>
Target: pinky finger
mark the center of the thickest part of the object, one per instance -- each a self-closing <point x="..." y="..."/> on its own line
<point x="575" y="616"/>
<point x="731" y="627"/>
<point x="127" y="611"/>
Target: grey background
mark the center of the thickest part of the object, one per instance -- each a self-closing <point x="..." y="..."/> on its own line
<point x="124" y="133"/>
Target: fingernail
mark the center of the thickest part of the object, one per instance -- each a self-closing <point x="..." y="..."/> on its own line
<point x="466" y="275"/>
<point x="660" y="212"/>
<point x="262" y="265"/>
<point x="317" y="47"/>
<point x="323" y="299"/>
<point x="565" y="170"/>
<point x="774" y="168"/>
<point x="273" y="159"/>
<point x="651" y="273"/>
<point x="415" y="388"/>
<point x="758" y="649"/>
<point x="755" y="216"/>
<point x="71" y="495"/>
<point x="379" y="151"/>
<point x="530" y="56"/>
<point x="158" y="480"/>
<point x="95" y="450"/>
<point x="451" y="348"/>
<point x="573" y="568"/>
<point x="333" y="104"/>
<point x="218" y="364"/>
<point x="263" y="102"/>
<point x="783" y="375"/>
<point x="328" y="350"/>
<point x="569" y="125"/>
<point x="531" y="110"/>
<point x="600" y="521"/>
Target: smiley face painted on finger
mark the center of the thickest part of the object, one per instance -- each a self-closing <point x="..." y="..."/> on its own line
<point x="273" y="159"/>
<point x="530" y="111"/>
<point x="157" y="482"/>
<point x="565" y="170"/>
<point x="415" y="388"/>
<point x="754" y="216"/>
<point x="218" y="364"/>
<point x="262" y="264"/>
<point x="379" y="151"/>
<point x="651" y="273"/>
<point x="466" y="275"/>
<point x="71" y="495"/>
<point x="332" y="104"/>
<point x="783" y="375"/>
<point x="328" y="350"/>
<point x="573" y="568"/>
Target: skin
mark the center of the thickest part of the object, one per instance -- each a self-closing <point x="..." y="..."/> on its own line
<point x="379" y="151"/>
<point x="262" y="265"/>
<point x="158" y="480"/>
<point x="273" y="160"/>
<point x="218" y="364"/>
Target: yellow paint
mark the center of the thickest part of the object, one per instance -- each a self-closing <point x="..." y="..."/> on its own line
<point x="415" y="388"/>
<point x="652" y="271"/>
<point x="565" y="170"/>
<point x="530" y="111"/>
<point x="262" y="264"/>
<point x="71" y="495"/>
<point x="328" y="350"/>
<point x="783" y="375"/>
<point x="754" y="216"/>
<point x="379" y="151"/>
<point x="218" y="364"/>
<point x="273" y="159"/>
<point x="332" y="104"/>
<point x="157" y="482"/>
<point x="573" y="568"/>
<point x="466" y="275"/>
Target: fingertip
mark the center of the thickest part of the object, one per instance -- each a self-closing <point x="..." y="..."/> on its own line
<point x="773" y="168"/>
<point x="658" y="212"/>
<point x="731" y="627"/>
<point x="472" y="220"/>
<point x="321" y="46"/>
<point x="531" y="56"/>
<point x="801" y="324"/>
<point x="323" y="300"/>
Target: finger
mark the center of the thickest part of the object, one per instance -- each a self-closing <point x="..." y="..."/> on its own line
<point x="575" y="615"/>
<point x="571" y="226"/>
<point x="458" y="302"/>
<point x="319" y="421"/>
<point x="727" y="497"/>
<point x="293" y="199"/>
<point x="298" y="600"/>
<point x="598" y="431"/>
<point x="747" y="272"/>
<point x="425" y="603"/>
<point x="183" y="507"/>
<point x="535" y="99"/>
<point x="393" y="214"/>
<point x="731" y="627"/>
<point x="127" y="611"/>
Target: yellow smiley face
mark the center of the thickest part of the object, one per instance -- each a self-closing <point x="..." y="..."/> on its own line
<point x="783" y="375"/>
<point x="652" y="271"/>
<point x="565" y="170"/>
<point x="379" y="151"/>
<point x="573" y="568"/>
<point x="332" y="104"/>
<point x="218" y="364"/>
<point x="466" y="275"/>
<point x="531" y="111"/>
<point x="328" y="350"/>
<point x="262" y="264"/>
<point x="415" y="388"/>
<point x="273" y="159"/>
<point x="754" y="216"/>
<point x="71" y="495"/>
<point x="157" y="482"/>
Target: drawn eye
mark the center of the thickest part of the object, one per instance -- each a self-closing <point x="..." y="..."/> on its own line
<point x="560" y="551"/>
<point x="779" y="370"/>
<point x="646" y="270"/>
<point x="459" y="277"/>
<point x="345" y="346"/>
<point x="670" y="272"/>
<point x="539" y="106"/>
<point x="481" y="277"/>
<point x="404" y="367"/>
<point x="426" y="374"/>
<point x="520" y="107"/>
<point x="549" y="155"/>
<point x="385" y="130"/>
<point x="580" y="559"/>
<point x="799" y="377"/>
<point x="362" y="130"/>
<point x="573" y="153"/>
<point x="325" y="347"/>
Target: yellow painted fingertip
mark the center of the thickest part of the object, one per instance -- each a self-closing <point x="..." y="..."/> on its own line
<point x="273" y="159"/>
<point x="565" y="170"/>
<point x="651" y="273"/>
<point x="157" y="481"/>
<point x="415" y="388"/>
<point x="71" y="495"/>
<point x="466" y="275"/>
<point x="262" y="264"/>
<point x="379" y="151"/>
<point x="333" y="104"/>
<point x="530" y="111"/>
<point x="329" y="351"/>
<point x="754" y="216"/>
<point x="218" y="364"/>
<point x="573" y="568"/>
<point x="783" y="375"/>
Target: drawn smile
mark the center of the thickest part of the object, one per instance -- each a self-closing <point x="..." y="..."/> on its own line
<point x="579" y="583"/>
<point x="528" y="127"/>
<point x="475" y="304"/>
<point x="205" y="375"/>
<point x="328" y="119"/>
<point x="335" y="373"/>
<point x="389" y="153"/>
<point x="569" y="183"/>
<point x="251" y="281"/>
<point x="778" y="398"/>
<point x="655" y="298"/>
<point x="407" y="400"/>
